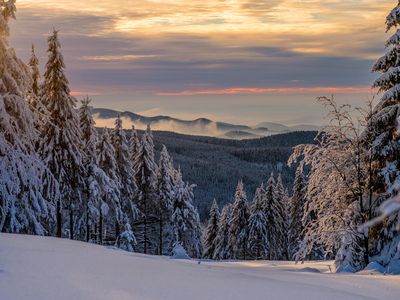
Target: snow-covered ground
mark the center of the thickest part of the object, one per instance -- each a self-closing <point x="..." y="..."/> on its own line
<point x="38" y="268"/>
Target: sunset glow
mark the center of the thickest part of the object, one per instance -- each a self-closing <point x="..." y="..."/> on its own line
<point x="147" y="50"/>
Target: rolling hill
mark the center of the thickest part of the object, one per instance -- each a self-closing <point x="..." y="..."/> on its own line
<point x="201" y="126"/>
<point x="215" y="165"/>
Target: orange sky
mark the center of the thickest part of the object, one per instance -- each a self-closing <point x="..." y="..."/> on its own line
<point x="121" y="50"/>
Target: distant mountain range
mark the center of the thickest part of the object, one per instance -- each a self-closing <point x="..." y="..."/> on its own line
<point x="201" y="126"/>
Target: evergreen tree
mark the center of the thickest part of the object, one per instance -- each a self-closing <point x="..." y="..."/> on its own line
<point x="258" y="243"/>
<point x="110" y="200"/>
<point x="222" y="249"/>
<point x="238" y="231"/>
<point x="134" y="146"/>
<point x="279" y="237"/>
<point x="211" y="231"/>
<point x="146" y="178"/>
<point x="98" y="183"/>
<point x="185" y="219"/>
<point x="383" y="133"/>
<point x="127" y="241"/>
<point x="269" y="212"/>
<point x="60" y="141"/>
<point x="296" y="210"/>
<point x="126" y="179"/>
<point x="25" y="205"/>
<point x="35" y="95"/>
<point x="34" y="64"/>
<point x="165" y="196"/>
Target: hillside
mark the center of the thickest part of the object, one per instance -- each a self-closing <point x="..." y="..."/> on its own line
<point x="38" y="268"/>
<point x="200" y="126"/>
<point x="216" y="165"/>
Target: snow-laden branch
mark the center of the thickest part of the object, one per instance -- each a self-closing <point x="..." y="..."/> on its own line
<point x="388" y="208"/>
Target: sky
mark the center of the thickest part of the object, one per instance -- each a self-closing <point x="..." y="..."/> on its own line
<point x="240" y="61"/>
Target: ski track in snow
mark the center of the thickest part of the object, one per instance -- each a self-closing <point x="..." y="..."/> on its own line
<point x="43" y="268"/>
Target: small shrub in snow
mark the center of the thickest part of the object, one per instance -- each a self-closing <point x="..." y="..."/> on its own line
<point x="178" y="252"/>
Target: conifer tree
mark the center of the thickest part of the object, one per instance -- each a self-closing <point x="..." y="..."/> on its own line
<point x="60" y="141"/>
<point x="279" y="238"/>
<point x="211" y="231"/>
<point x="110" y="200"/>
<point x="165" y="196"/>
<point x="126" y="179"/>
<point x="25" y="205"/>
<point x="296" y="209"/>
<point x="127" y="241"/>
<point x="185" y="219"/>
<point x="258" y="243"/>
<point x="146" y="178"/>
<point x="383" y="133"/>
<point x="238" y="231"/>
<point x="269" y="212"/>
<point x="35" y="95"/>
<point x="222" y="250"/>
<point x="134" y="146"/>
<point x="98" y="183"/>
<point x="34" y="64"/>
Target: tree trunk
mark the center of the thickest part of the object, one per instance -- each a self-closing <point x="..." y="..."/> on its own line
<point x="87" y="225"/>
<point x="161" y="236"/>
<point x="145" y="235"/>
<point x="71" y="223"/>
<point x="59" y="219"/>
<point x="117" y="230"/>
<point x="101" y="227"/>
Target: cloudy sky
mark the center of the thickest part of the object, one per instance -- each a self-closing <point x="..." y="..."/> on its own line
<point x="242" y="61"/>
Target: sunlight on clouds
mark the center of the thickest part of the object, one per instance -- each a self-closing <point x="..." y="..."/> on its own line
<point x="273" y="90"/>
<point x="130" y="57"/>
<point x="348" y="23"/>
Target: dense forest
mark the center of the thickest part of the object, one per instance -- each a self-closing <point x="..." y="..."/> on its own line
<point x="215" y="165"/>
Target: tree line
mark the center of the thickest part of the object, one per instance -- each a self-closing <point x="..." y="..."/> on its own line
<point x="256" y="230"/>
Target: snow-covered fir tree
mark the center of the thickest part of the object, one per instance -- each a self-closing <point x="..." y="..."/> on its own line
<point x="222" y="249"/>
<point x="383" y="133"/>
<point x="269" y="210"/>
<point x="127" y="241"/>
<point x="296" y="211"/>
<point x="279" y="237"/>
<point x="110" y="199"/>
<point x="60" y="142"/>
<point x="146" y="178"/>
<point x="258" y="244"/>
<point x="126" y="179"/>
<point x="185" y="219"/>
<point x="211" y="231"/>
<point x="92" y="186"/>
<point x="25" y="205"/>
<point x="165" y="195"/>
<point x="99" y="185"/>
<point x="238" y="231"/>
<point x="34" y="64"/>
<point x="134" y="146"/>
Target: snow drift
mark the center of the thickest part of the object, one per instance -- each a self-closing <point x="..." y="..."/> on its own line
<point x="42" y="268"/>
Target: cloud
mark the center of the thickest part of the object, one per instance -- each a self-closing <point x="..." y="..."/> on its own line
<point x="132" y="54"/>
<point x="273" y="90"/>
<point x="123" y="58"/>
<point x="209" y="129"/>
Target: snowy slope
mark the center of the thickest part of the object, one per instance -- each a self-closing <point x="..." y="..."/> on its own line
<point x="38" y="268"/>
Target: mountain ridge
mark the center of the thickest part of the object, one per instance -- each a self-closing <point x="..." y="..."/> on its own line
<point x="199" y="126"/>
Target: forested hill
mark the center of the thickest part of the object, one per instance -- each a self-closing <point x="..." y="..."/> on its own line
<point x="215" y="165"/>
